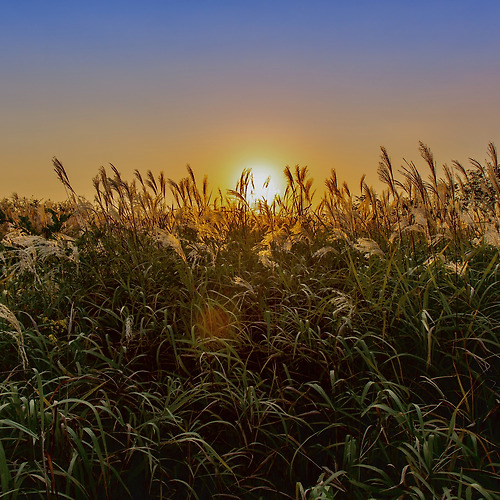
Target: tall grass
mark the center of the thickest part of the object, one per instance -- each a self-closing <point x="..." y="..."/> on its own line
<point x="169" y="341"/>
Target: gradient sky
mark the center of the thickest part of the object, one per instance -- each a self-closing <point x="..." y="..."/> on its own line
<point x="224" y="85"/>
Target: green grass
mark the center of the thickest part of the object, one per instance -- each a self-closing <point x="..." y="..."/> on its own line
<point x="346" y="349"/>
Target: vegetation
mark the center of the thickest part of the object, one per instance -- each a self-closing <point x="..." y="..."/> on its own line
<point x="169" y="342"/>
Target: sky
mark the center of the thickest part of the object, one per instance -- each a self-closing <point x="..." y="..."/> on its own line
<point x="227" y="85"/>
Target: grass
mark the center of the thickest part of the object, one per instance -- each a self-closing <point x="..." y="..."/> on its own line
<point x="166" y="342"/>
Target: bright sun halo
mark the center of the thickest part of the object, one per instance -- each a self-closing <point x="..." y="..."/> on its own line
<point x="267" y="184"/>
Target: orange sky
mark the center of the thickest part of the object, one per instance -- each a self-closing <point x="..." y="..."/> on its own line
<point x="230" y="85"/>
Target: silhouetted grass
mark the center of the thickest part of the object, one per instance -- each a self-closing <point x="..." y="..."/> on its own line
<point x="169" y="342"/>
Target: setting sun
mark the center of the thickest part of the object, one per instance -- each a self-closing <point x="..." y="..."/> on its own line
<point x="266" y="183"/>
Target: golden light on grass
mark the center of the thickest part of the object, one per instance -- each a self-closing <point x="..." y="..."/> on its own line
<point x="212" y="332"/>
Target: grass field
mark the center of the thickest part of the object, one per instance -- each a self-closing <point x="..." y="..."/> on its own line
<point x="171" y="341"/>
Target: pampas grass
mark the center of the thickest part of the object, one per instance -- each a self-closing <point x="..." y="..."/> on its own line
<point x="183" y="342"/>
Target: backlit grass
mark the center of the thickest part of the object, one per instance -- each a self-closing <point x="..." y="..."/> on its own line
<point x="170" y="341"/>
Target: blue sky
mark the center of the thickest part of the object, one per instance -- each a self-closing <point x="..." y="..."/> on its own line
<point x="228" y="85"/>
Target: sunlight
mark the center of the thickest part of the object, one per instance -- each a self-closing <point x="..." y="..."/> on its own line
<point x="267" y="183"/>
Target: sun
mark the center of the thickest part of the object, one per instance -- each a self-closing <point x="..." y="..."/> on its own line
<point x="267" y="183"/>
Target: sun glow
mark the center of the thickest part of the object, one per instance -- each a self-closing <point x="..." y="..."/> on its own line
<point x="265" y="184"/>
